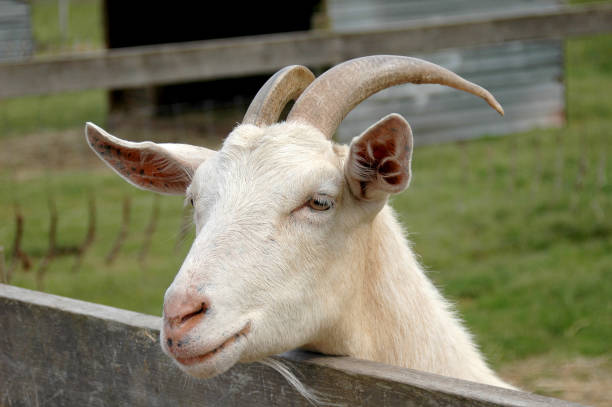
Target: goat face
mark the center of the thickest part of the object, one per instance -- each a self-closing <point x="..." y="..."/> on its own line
<point x="254" y="282"/>
<point x="275" y="210"/>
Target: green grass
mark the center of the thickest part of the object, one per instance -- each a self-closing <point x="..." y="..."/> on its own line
<point x="516" y="230"/>
<point x="126" y="283"/>
<point x="83" y="31"/>
<point x="528" y="261"/>
<point x="60" y="111"/>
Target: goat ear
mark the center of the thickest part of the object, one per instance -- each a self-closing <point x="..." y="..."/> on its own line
<point x="163" y="168"/>
<point x="379" y="159"/>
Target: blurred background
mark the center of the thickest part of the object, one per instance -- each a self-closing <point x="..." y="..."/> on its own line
<point x="511" y="216"/>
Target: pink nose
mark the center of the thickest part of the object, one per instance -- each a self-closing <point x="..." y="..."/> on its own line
<point x="181" y="315"/>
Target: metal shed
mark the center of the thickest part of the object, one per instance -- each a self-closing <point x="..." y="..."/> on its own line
<point x="15" y="30"/>
<point x="525" y="76"/>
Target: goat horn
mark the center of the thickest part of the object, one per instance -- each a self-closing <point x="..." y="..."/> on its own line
<point x="285" y="85"/>
<point x="335" y="93"/>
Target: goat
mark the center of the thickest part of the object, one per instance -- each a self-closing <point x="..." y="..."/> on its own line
<point x="295" y="243"/>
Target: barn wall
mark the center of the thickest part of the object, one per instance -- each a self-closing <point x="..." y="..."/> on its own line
<point x="525" y="77"/>
<point x="351" y="15"/>
<point x="15" y="30"/>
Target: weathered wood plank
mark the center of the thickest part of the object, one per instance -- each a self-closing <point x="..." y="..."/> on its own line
<point x="15" y="36"/>
<point x="425" y="101"/>
<point x="371" y="13"/>
<point x="525" y="77"/>
<point x="59" y="351"/>
<point x="546" y="113"/>
<point x="475" y="122"/>
<point x="490" y="129"/>
<point x="142" y="66"/>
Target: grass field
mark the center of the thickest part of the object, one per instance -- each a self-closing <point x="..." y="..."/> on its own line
<point x="511" y="227"/>
<point x="84" y="32"/>
<point x="516" y="230"/>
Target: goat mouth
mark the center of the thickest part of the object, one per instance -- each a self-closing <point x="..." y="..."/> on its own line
<point x="208" y="355"/>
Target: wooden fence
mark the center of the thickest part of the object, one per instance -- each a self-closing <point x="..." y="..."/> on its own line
<point x="60" y="351"/>
<point x="226" y="58"/>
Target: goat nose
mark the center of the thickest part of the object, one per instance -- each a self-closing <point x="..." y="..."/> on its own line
<point x="183" y="314"/>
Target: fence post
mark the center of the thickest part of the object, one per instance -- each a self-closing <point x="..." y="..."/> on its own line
<point x="2" y="267"/>
<point x="62" y="14"/>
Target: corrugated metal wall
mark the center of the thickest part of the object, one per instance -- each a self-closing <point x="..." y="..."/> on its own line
<point x="526" y="77"/>
<point x="15" y="30"/>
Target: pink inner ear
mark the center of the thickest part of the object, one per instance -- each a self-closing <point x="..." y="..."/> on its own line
<point x="381" y="152"/>
<point x="382" y="146"/>
<point x="141" y="167"/>
<point x="392" y="171"/>
<point x="380" y="158"/>
<point x="386" y="167"/>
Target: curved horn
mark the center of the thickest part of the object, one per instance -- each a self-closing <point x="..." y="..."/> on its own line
<point x="335" y="93"/>
<point x="285" y="85"/>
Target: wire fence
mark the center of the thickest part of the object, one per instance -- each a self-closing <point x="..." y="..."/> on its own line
<point x="565" y="170"/>
<point x="562" y="171"/>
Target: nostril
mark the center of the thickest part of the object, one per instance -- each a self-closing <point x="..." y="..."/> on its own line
<point x="202" y="310"/>
<point x="182" y="313"/>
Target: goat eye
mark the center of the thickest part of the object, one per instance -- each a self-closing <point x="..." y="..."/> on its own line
<point x="319" y="203"/>
<point x="191" y="201"/>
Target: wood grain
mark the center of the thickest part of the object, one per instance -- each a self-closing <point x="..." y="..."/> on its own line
<point x="60" y="351"/>
<point x="214" y="59"/>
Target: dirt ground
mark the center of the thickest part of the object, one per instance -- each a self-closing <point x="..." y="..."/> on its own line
<point x="63" y="150"/>
<point x="52" y="151"/>
<point x="582" y="380"/>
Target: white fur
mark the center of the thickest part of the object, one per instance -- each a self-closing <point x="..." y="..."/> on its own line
<point x="341" y="282"/>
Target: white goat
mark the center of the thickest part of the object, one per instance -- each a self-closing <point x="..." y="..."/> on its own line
<point x="295" y="244"/>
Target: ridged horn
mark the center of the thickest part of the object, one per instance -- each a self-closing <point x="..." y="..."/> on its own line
<point x="285" y="85"/>
<point x="326" y="102"/>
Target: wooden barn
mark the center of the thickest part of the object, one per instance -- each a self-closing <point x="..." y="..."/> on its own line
<point x="15" y="30"/>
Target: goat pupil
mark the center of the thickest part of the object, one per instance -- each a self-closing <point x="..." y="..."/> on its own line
<point x="320" y="205"/>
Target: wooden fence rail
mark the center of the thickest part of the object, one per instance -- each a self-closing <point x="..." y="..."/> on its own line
<point x="215" y="59"/>
<point x="60" y="351"/>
